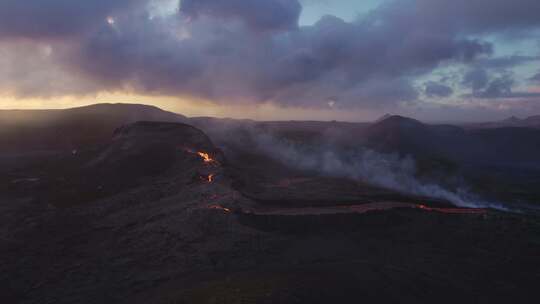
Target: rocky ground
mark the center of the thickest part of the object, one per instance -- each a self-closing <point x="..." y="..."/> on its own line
<point x="187" y="233"/>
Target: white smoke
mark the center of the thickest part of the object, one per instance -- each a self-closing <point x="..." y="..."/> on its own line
<point x="385" y="170"/>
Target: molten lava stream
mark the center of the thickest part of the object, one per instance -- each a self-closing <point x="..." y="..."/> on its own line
<point x="218" y="207"/>
<point x="358" y="209"/>
<point x="208" y="178"/>
<point x="206" y="157"/>
<point x="453" y="210"/>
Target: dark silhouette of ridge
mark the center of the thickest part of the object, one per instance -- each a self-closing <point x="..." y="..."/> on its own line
<point x="74" y="128"/>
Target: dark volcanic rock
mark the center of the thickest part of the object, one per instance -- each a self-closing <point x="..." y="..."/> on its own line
<point x="327" y="191"/>
<point x="151" y="231"/>
<point x="153" y="147"/>
<point x="138" y="154"/>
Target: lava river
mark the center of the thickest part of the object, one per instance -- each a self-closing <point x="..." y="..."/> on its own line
<point x="360" y="209"/>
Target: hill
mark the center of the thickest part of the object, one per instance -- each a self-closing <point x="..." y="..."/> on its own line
<point x="72" y="129"/>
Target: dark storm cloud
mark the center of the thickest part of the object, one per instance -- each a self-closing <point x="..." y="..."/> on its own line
<point x="364" y="63"/>
<point x="254" y="50"/>
<point x="497" y="88"/>
<point x="56" y="18"/>
<point x="138" y="52"/>
<point x="258" y="14"/>
<point x="506" y="61"/>
<point x="435" y="89"/>
<point x="492" y="78"/>
<point x="476" y="79"/>
<point x="501" y="87"/>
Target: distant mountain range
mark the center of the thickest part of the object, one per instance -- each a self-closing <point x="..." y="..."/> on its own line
<point x="511" y="122"/>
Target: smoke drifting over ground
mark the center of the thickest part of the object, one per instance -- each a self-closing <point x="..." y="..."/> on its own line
<point x="387" y="170"/>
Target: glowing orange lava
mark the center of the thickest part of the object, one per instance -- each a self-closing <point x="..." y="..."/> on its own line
<point x="208" y="178"/>
<point x="206" y="157"/>
<point x="218" y="207"/>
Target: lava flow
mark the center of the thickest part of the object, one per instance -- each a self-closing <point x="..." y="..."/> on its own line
<point x="218" y="207"/>
<point x="208" y="178"/>
<point x="358" y="209"/>
<point x="206" y="157"/>
<point x="453" y="210"/>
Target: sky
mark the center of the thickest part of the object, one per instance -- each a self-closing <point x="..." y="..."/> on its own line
<point x="437" y="60"/>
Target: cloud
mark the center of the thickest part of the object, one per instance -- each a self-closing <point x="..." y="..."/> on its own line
<point x="435" y="89"/>
<point x="361" y="64"/>
<point x="497" y="88"/>
<point x="257" y="14"/>
<point x="535" y="78"/>
<point x="254" y="51"/>
<point x="30" y="68"/>
<point x="494" y="78"/>
<point x="501" y="87"/>
<point x="40" y="19"/>
<point x="476" y="79"/>
<point x="475" y="16"/>
<point x="505" y="62"/>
